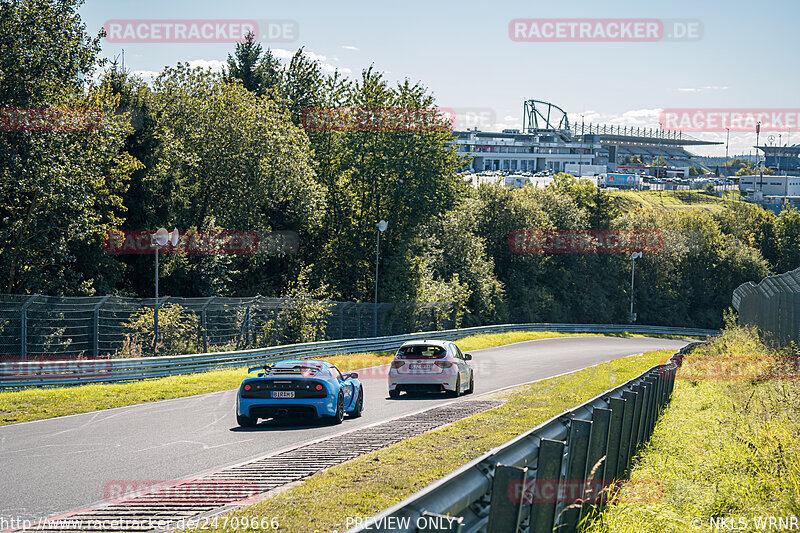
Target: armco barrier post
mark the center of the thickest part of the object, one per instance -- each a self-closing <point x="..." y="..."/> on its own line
<point x="625" y="445"/>
<point x="646" y="397"/>
<point x="508" y="490"/>
<point x="596" y="458"/>
<point x="548" y="472"/>
<point x="617" y="406"/>
<point x="656" y="405"/>
<point x="577" y="449"/>
<point x="637" y="421"/>
<point x="651" y="408"/>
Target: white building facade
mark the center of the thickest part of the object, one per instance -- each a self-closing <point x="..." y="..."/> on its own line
<point x="771" y="185"/>
<point x="518" y="152"/>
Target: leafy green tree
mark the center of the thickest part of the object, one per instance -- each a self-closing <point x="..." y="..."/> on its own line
<point x="406" y="177"/>
<point x="690" y="281"/>
<point x="749" y="168"/>
<point x="301" y="84"/>
<point x="179" y="332"/>
<point x="258" y="71"/>
<point x="787" y="232"/>
<point x="753" y="225"/>
<point x="453" y="264"/>
<point x="307" y="316"/>
<point x="597" y="203"/>
<point x="60" y="186"/>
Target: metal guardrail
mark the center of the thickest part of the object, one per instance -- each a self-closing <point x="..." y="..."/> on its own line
<point x="36" y="327"/>
<point x="548" y="478"/>
<point x="17" y="375"/>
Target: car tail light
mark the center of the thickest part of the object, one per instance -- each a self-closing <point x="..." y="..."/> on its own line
<point x="247" y="387"/>
<point x="397" y="364"/>
<point x="444" y="364"/>
<point x="318" y="387"/>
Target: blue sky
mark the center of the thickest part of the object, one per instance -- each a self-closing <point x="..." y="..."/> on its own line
<point x="462" y="52"/>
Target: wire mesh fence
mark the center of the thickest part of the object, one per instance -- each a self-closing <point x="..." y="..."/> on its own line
<point x="773" y="305"/>
<point x="36" y="327"/>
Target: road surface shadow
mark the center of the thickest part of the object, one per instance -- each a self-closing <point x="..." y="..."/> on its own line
<point x="281" y="424"/>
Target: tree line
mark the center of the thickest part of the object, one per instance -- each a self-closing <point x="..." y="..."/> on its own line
<point x="209" y="151"/>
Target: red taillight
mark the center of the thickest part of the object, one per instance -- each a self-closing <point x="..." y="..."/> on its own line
<point x="444" y="364"/>
<point x="247" y="387"/>
<point x="397" y="364"/>
<point x="318" y="387"/>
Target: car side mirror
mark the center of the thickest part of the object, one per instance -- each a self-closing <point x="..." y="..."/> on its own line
<point x="352" y="375"/>
<point x="467" y="357"/>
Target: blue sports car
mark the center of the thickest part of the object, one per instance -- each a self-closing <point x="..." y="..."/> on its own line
<point x="299" y="388"/>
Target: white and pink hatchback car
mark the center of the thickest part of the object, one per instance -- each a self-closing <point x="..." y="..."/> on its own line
<point x="430" y="366"/>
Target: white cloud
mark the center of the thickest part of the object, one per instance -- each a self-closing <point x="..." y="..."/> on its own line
<point x="147" y="75"/>
<point x="327" y="67"/>
<point x="641" y="118"/>
<point x="288" y="54"/>
<point x="704" y="88"/>
<point x="350" y="47"/>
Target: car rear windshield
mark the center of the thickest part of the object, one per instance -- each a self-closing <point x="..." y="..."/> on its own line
<point x="305" y="370"/>
<point x="421" y="351"/>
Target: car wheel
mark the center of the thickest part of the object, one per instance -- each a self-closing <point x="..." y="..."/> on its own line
<point x="246" y="421"/>
<point x="339" y="416"/>
<point x="359" y="404"/>
<point x="457" y="391"/>
<point x="394" y="394"/>
<point x="471" y="384"/>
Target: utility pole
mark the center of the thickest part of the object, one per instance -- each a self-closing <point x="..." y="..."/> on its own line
<point x="634" y="257"/>
<point x="381" y="227"/>
<point x="758" y="160"/>
<point x="727" y="141"/>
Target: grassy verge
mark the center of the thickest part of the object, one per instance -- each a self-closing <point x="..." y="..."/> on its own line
<point x="726" y="451"/>
<point x="372" y="482"/>
<point x="629" y="201"/>
<point x="39" y="404"/>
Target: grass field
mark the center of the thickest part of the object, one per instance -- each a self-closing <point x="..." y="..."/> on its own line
<point x="726" y="451"/>
<point x="628" y="201"/>
<point x="37" y="404"/>
<point x="374" y="481"/>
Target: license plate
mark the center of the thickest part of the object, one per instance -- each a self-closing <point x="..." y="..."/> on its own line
<point x="412" y="366"/>
<point x="283" y="394"/>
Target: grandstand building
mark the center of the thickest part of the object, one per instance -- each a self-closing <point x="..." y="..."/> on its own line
<point x="547" y="142"/>
<point x="781" y="159"/>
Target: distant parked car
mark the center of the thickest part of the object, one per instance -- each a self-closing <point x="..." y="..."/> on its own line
<point x="299" y="388"/>
<point x="430" y="366"/>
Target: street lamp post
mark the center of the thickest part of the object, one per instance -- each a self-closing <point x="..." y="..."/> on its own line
<point x="381" y="227"/>
<point x="634" y="257"/>
<point x="727" y="142"/>
<point x="158" y="240"/>
<point x="758" y="158"/>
